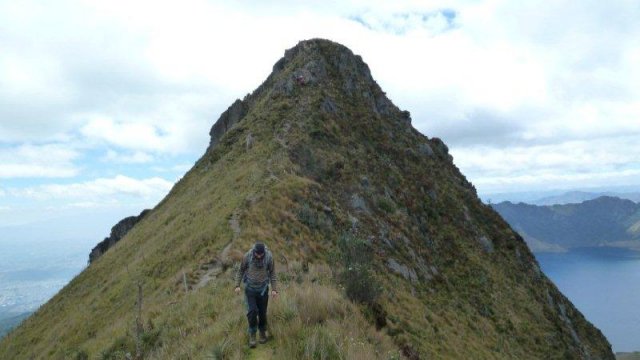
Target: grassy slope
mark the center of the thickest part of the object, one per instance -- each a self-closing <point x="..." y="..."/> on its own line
<point x="95" y="313"/>
<point x="298" y="195"/>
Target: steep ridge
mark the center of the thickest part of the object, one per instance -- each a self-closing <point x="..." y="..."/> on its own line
<point x="319" y="164"/>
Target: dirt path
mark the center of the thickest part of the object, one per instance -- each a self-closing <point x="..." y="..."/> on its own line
<point x="210" y="271"/>
<point x="262" y="352"/>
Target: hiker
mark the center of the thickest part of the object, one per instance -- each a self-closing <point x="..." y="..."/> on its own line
<point x="257" y="271"/>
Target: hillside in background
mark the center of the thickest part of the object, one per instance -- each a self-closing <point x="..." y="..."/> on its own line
<point x="576" y="197"/>
<point x="628" y="356"/>
<point x="604" y="221"/>
<point x="383" y="248"/>
<point x="9" y="322"/>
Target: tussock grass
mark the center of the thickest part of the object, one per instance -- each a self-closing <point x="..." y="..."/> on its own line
<point x="310" y="319"/>
<point x="314" y="320"/>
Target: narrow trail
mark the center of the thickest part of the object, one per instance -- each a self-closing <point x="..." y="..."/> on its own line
<point x="211" y="270"/>
<point x="208" y="272"/>
<point x="262" y="352"/>
<point x="234" y="223"/>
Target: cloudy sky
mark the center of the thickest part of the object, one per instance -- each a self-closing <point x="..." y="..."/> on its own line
<point x="104" y="105"/>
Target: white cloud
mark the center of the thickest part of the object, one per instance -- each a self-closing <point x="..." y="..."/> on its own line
<point x="88" y="205"/>
<point x="130" y="135"/>
<point x="401" y="23"/>
<point x="182" y="168"/>
<point x="562" y="181"/>
<point x="49" y="160"/>
<point x="564" y="165"/>
<point x="98" y="190"/>
<point x="137" y="157"/>
<point x="511" y="77"/>
<point x="22" y="76"/>
<point x="153" y="133"/>
<point x="33" y="171"/>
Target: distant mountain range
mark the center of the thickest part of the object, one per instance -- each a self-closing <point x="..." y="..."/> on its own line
<point x="559" y="197"/>
<point x="604" y="221"/>
<point x="576" y="197"/>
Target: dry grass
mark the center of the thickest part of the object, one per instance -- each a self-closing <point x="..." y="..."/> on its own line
<point x="313" y="320"/>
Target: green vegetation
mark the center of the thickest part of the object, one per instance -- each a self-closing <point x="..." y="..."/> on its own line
<point x="354" y="264"/>
<point x="386" y="205"/>
<point x="330" y="157"/>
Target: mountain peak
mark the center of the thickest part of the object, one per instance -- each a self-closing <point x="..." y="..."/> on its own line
<point x="318" y="59"/>
<point x="313" y="65"/>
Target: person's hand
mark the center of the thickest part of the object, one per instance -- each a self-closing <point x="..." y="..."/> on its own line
<point x="237" y="290"/>
<point x="274" y="293"/>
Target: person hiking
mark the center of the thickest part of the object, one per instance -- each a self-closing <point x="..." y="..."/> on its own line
<point x="257" y="270"/>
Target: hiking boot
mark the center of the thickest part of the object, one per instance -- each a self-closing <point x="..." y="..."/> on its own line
<point x="263" y="337"/>
<point x="252" y="340"/>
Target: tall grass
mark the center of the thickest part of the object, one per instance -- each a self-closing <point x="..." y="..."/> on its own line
<point x="313" y="320"/>
<point x="310" y="319"/>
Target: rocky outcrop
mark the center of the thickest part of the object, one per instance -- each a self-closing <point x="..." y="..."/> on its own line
<point x="311" y="60"/>
<point x="118" y="231"/>
<point x="230" y="117"/>
<point x="403" y="270"/>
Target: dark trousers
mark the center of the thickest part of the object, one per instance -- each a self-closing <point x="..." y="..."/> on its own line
<point x="257" y="302"/>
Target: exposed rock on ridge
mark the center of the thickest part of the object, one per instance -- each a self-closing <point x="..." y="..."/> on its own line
<point x="118" y="231"/>
<point x="316" y="70"/>
<point x="230" y="117"/>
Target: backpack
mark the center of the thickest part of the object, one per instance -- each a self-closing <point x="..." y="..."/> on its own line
<point x="268" y="258"/>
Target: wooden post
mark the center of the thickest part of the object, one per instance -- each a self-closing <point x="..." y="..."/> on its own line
<point x="139" y="325"/>
<point x="184" y="282"/>
<point x="286" y="262"/>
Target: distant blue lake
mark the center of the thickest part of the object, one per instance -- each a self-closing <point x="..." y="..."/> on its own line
<point x="604" y="284"/>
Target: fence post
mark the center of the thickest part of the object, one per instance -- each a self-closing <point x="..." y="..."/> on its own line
<point x="139" y="325"/>
<point x="184" y="282"/>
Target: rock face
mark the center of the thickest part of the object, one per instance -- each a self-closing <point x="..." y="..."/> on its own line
<point x="332" y="170"/>
<point x="118" y="231"/>
<point x="230" y="117"/>
<point x="353" y="73"/>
